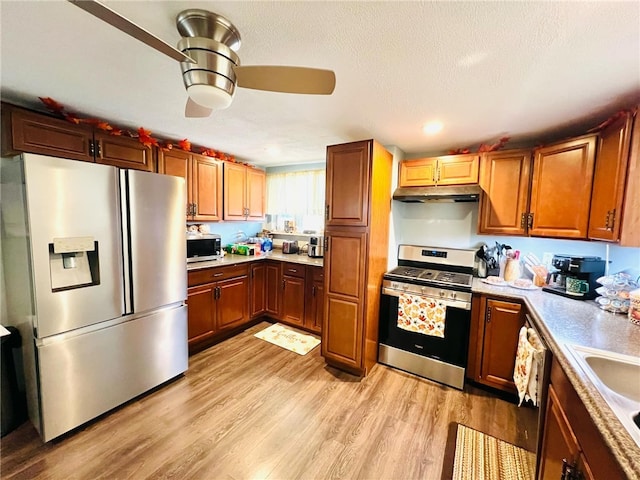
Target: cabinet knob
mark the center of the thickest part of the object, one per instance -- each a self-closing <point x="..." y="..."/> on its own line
<point x="489" y="314"/>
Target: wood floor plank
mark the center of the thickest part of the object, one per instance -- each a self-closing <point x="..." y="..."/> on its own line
<point x="249" y="409"/>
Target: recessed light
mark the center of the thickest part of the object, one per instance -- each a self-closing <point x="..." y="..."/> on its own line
<point x="432" y="128"/>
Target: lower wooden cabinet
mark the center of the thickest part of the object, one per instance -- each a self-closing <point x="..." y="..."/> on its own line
<point x="493" y="342"/>
<point x="295" y="294"/>
<point x="273" y="280"/>
<point x="217" y="301"/>
<point x="258" y="296"/>
<point x="314" y="299"/>
<point x="572" y="447"/>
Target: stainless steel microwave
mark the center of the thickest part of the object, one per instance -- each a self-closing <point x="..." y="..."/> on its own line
<point x="203" y="247"/>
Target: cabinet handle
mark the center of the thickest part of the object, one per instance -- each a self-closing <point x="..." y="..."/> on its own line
<point x="611" y="219"/>
<point x="218" y="274"/>
<point x="523" y="221"/>
<point x="313" y="290"/>
<point x="489" y="314"/>
<point x="569" y="471"/>
<point x="195" y="209"/>
<point x="530" y="221"/>
<point x="283" y="283"/>
<point x="98" y="149"/>
<point x="92" y="148"/>
<point x="293" y="270"/>
<point x="326" y="244"/>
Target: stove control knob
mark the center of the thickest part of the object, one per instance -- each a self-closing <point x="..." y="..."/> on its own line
<point x="442" y="293"/>
<point x="405" y="287"/>
<point x="453" y="295"/>
<point x="423" y="289"/>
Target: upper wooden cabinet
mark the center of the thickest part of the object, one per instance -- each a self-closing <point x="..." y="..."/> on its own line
<point x="358" y="194"/>
<point x="244" y="192"/>
<point x="608" y="204"/>
<point x="347" y="187"/>
<point x="444" y="170"/>
<point x="561" y="188"/>
<point x="27" y="131"/>
<point x="505" y="178"/>
<point x="204" y="182"/>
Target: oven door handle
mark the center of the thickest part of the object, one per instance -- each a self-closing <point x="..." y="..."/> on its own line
<point x="446" y="302"/>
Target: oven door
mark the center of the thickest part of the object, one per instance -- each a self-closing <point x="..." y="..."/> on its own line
<point x="451" y="349"/>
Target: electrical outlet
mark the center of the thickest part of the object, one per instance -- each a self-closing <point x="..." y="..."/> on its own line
<point x="547" y="258"/>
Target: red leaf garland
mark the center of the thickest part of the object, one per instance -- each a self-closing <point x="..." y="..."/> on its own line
<point x="143" y="135"/>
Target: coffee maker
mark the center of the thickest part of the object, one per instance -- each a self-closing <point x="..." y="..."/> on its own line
<point x="569" y="269"/>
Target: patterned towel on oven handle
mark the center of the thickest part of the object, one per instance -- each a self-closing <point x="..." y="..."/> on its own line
<point x="527" y="368"/>
<point x="421" y="315"/>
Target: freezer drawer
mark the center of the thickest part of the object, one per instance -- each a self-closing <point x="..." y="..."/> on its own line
<point x="86" y="375"/>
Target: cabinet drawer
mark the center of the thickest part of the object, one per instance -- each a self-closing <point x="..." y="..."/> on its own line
<point x="198" y="277"/>
<point x="293" y="270"/>
<point x="317" y="274"/>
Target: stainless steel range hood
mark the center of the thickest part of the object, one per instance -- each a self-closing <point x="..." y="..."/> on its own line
<point x="458" y="193"/>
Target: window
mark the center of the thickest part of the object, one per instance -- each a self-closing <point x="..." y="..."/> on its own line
<point x="298" y="197"/>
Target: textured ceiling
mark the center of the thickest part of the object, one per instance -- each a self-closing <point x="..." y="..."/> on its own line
<point x="531" y="70"/>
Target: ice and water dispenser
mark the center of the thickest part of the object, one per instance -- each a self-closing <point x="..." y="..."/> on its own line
<point x="73" y="263"/>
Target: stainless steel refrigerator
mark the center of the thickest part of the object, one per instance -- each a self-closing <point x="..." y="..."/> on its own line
<point x="94" y="262"/>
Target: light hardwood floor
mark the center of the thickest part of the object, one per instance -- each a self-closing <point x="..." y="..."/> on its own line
<point x="247" y="409"/>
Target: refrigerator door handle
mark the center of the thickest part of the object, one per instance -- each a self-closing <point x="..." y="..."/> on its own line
<point x="126" y="244"/>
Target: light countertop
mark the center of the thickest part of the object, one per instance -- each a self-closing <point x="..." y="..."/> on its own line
<point x="231" y="259"/>
<point x="563" y="321"/>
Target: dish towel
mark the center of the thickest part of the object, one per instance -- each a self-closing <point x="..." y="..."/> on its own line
<point x="529" y="357"/>
<point x="421" y="315"/>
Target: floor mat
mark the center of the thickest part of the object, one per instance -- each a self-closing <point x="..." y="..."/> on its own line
<point x="483" y="457"/>
<point x="289" y="338"/>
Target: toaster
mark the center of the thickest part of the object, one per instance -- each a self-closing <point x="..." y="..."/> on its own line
<point x="290" y="246"/>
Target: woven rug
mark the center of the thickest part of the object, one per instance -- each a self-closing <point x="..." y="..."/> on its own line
<point x="289" y="338"/>
<point x="483" y="457"/>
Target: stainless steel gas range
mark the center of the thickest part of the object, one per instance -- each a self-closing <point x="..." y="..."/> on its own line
<point x="425" y="313"/>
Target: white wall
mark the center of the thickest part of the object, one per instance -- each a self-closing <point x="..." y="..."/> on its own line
<point x="455" y="224"/>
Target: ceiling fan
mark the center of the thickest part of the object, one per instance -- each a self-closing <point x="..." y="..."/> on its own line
<point x="211" y="68"/>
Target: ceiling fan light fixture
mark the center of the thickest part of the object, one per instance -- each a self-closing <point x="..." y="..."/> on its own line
<point x="210" y="96"/>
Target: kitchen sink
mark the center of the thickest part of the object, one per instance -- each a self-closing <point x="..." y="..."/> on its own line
<point x="617" y="379"/>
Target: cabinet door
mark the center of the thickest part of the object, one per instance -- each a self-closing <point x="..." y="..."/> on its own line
<point x="559" y="442"/>
<point x="206" y="188"/>
<point x="235" y="188"/>
<point x="347" y="187"/>
<point x="505" y="178"/>
<point x="317" y="306"/>
<point x="609" y="180"/>
<point x="561" y="188"/>
<point x="256" y="188"/>
<point x="418" y="173"/>
<point x="293" y="299"/>
<point x="232" y="305"/>
<point x="200" y="308"/>
<point x="343" y="323"/>
<point x="273" y="288"/>
<point x="503" y="321"/>
<point x="177" y="163"/>
<point x="123" y="152"/>
<point x="458" y="169"/>
<point x="35" y="133"/>
<point x="258" y="291"/>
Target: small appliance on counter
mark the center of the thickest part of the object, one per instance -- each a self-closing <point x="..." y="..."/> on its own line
<point x="203" y="247"/>
<point x="290" y="246"/>
<point x="575" y="277"/>
<point x="316" y="247"/>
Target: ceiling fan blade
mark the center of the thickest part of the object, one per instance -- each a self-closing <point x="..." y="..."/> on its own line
<point x="284" y="79"/>
<point x="195" y="110"/>
<point x="113" y="18"/>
